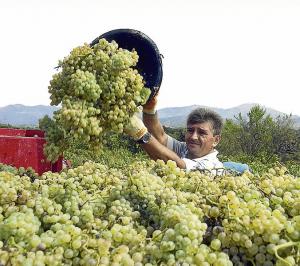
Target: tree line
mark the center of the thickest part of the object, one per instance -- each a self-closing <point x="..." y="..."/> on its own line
<point x="256" y="137"/>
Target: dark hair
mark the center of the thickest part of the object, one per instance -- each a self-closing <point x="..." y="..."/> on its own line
<point x="201" y="115"/>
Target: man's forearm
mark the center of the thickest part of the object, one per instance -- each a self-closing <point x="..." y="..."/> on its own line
<point x="157" y="150"/>
<point x="154" y="126"/>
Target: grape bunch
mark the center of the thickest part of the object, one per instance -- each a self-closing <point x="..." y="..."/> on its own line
<point x="151" y="213"/>
<point x="98" y="89"/>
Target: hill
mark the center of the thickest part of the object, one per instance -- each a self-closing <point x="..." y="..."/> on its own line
<point x="176" y="116"/>
<point x="22" y="115"/>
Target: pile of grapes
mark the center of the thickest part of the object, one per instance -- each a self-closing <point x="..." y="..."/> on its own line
<point x="98" y="89"/>
<point x="150" y="213"/>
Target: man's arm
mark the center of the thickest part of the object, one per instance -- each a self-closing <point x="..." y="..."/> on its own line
<point x="152" y="123"/>
<point x="155" y="128"/>
<point x="158" y="151"/>
<point x="137" y="130"/>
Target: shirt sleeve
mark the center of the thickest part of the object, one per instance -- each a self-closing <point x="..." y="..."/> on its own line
<point x="177" y="146"/>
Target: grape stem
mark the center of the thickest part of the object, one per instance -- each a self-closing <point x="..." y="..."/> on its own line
<point x="163" y="231"/>
<point x="98" y="259"/>
<point x="86" y="241"/>
<point x="228" y="209"/>
<point x="261" y="190"/>
<point x="288" y="237"/>
<point x="93" y="199"/>
<point x="285" y="245"/>
<point x="210" y="201"/>
<point x="12" y="239"/>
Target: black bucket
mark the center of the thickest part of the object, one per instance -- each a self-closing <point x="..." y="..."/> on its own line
<point x="149" y="64"/>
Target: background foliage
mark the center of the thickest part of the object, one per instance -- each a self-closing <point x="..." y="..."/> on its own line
<point x="257" y="139"/>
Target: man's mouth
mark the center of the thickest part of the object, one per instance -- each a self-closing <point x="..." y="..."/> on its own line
<point x="193" y="143"/>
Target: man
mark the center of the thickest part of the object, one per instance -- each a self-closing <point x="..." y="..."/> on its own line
<point x="197" y="152"/>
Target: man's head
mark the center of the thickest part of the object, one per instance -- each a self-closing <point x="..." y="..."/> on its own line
<point x="203" y="132"/>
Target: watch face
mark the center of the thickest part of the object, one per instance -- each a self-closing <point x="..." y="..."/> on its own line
<point x="146" y="137"/>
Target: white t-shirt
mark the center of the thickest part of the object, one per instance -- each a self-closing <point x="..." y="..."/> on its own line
<point x="209" y="161"/>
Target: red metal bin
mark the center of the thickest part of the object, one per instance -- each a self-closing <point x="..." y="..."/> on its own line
<point x="24" y="148"/>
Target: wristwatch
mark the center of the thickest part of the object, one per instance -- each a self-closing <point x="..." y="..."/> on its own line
<point x="145" y="138"/>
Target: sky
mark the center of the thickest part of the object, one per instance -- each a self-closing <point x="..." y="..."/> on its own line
<point x="216" y="53"/>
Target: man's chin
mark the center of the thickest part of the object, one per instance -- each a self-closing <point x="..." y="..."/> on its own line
<point x="194" y="151"/>
<point x="193" y="154"/>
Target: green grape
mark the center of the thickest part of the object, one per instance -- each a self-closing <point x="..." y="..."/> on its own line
<point x="215" y="244"/>
<point x="150" y="213"/>
<point x="98" y="89"/>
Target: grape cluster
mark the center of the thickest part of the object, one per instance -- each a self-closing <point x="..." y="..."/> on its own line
<point x="98" y="89"/>
<point x="151" y="213"/>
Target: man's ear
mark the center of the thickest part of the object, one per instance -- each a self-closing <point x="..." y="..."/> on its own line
<point x="217" y="140"/>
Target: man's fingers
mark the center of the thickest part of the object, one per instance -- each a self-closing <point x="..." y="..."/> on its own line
<point x="149" y="107"/>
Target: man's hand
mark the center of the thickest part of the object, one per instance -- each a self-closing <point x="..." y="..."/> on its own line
<point x="135" y="128"/>
<point x="150" y="106"/>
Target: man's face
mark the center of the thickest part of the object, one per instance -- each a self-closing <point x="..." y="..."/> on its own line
<point x="200" y="139"/>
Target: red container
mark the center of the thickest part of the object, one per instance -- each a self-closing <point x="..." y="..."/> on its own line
<point x="24" y="148"/>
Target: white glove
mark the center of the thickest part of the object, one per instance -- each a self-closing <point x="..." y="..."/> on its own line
<point x="135" y="128"/>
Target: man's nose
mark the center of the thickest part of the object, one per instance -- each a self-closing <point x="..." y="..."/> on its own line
<point x="194" y="135"/>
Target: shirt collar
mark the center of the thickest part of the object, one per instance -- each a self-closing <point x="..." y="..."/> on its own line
<point x="211" y="155"/>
